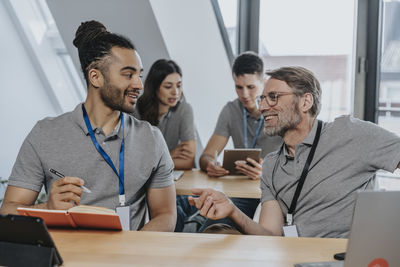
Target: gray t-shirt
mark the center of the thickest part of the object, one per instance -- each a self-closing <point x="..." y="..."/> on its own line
<point x="348" y="154"/>
<point x="177" y="125"/>
<point x="230" y="124"/>
<point x="64" y="144"/>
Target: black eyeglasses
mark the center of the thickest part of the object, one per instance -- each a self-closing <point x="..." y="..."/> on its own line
<point x="271" y="98"/>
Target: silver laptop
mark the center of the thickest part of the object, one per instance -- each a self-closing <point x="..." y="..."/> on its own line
<point x="375" y="232"/>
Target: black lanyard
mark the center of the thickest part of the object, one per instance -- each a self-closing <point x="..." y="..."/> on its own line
<point x="289" y="215"/>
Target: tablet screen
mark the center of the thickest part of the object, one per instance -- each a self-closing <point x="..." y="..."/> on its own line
<point x="233" y="155"/>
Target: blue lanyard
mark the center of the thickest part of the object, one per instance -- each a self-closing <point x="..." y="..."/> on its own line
<point x="253" y="143"/>
<point x="106" y="157"/>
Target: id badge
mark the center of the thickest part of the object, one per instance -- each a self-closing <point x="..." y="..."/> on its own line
<point x="124" y="217"/>
<point x="290" y="231"/>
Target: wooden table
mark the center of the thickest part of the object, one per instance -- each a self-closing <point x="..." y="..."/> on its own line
<point x="101" y="248"/>
<point x="232" y="186"/>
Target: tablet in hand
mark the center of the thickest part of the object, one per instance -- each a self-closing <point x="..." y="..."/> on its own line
<point x="239" y="154"/>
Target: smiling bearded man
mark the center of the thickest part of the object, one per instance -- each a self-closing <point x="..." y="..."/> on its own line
<point x="309" y="185"/>
<point x="125" y="162"/>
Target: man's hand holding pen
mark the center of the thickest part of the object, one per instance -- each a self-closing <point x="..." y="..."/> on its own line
<point x="64" y="193"/>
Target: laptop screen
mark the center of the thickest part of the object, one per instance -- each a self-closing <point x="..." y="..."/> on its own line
<point x="375" y="234"/>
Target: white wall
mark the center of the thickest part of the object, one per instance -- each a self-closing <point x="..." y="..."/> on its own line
<point x="191" y="34"/>
<point x="131" y="18"/>
<point x="23" y="99"/>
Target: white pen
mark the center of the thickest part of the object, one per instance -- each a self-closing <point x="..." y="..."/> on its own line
<point x="59" y="174"/>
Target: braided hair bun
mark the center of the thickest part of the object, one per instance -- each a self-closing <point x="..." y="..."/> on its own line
<point x="88" y="31"/>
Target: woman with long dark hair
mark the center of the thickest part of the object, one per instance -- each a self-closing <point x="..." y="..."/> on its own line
<point x="162" y="105"/>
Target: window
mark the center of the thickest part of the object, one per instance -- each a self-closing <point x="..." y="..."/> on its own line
<point x="317" y="35"/>
<point x="388" y="109"/>
<point x="389" y="86"/>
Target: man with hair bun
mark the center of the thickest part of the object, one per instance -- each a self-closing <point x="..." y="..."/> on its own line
<point x="308" y="186"/>
<point x="123" y="161"/>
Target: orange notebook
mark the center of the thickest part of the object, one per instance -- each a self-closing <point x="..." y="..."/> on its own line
<point x="77" y="217"/>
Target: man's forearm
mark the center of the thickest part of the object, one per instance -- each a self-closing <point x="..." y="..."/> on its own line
<point x="246" y="225"/>
<point x="161" y="223"/>
<point x="11" y="207"/>
<point x="183" y="164"/>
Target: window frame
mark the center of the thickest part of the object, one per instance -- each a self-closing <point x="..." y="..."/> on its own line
<point x="373" y="59"/>
<point x="223" y="31"/>
<point x="248" y="25"/>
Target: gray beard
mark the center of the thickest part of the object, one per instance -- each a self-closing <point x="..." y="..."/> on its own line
<point x="285" y="123"/>
<point x="281" y="130"/>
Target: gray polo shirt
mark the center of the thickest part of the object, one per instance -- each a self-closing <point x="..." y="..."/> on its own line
<point x="230" y="124"/>
<point x="64" y="144"/>
<point x="348" y="154"/>
<point x="177" y="125"/>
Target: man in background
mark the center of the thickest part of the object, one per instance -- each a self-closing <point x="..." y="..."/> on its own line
<point x="241" y="120"/>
